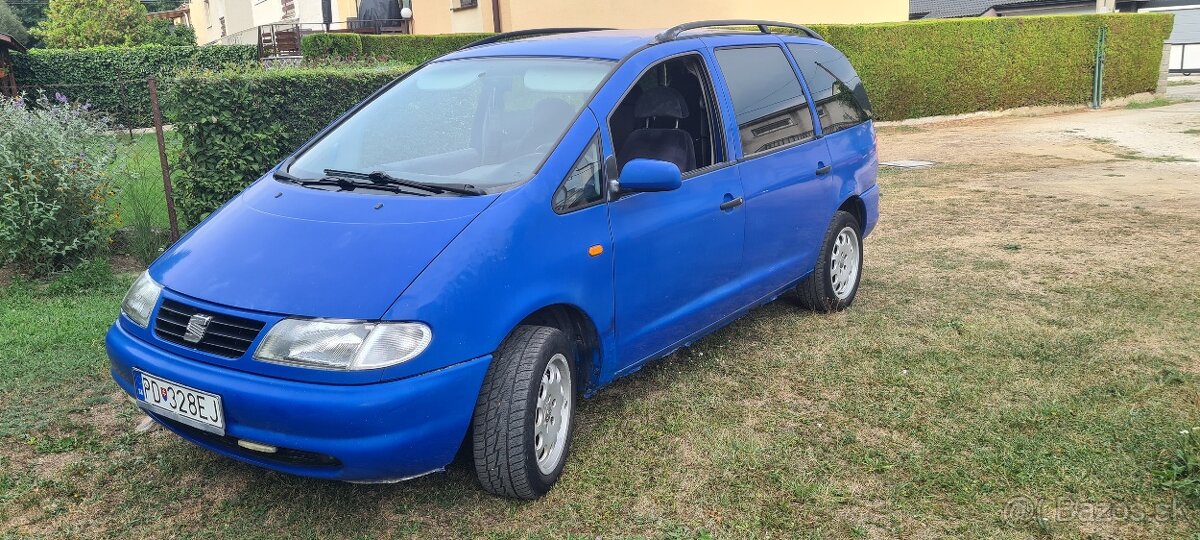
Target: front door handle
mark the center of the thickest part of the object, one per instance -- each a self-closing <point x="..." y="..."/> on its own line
<point x="730" y="205"/>
<point x="823" y="169"/>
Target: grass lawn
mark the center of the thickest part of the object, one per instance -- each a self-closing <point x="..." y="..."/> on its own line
<point x="1009" y="346"/>
<point x="137" y="175"/>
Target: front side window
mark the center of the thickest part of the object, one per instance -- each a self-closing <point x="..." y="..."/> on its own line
<point x="669" y="114"/>
<point x="837" y="92"/>
<point x="582" y="187"/>
<point x="767" y="98"/>
<point x="484" y="122"/>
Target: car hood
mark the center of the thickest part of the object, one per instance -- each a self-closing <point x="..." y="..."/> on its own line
<point x="290" y="250"/>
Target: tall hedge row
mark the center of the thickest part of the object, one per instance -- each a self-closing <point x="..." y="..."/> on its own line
<point x="406" y="48"/>
<point x="236" y="124"/>
<point x="951" y="66"/>
<point x="113" y="79"/>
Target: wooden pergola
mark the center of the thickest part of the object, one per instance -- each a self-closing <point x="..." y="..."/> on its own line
<point x="8" y="82"/>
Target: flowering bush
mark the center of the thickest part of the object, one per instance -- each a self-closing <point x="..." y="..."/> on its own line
<point x="53" y="184"/>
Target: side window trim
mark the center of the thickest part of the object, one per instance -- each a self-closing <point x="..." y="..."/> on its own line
<point x="818" y="130"/>
<point x="710" y="95"/>
<point x="804" y="89"/>
<point x="593" y="141"/>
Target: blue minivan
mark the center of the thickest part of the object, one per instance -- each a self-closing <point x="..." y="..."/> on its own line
<point x="464" y="255"/>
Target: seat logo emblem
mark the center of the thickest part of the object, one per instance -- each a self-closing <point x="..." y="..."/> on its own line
<point x="196" y="327"/>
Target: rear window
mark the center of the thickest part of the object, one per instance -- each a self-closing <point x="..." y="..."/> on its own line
<point x="838" y="94"/>
<point x="767" y="98"/>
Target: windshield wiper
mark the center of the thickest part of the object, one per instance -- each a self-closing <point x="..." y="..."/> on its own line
<point x="346" y="184"/>
<point x="385" y="179"/>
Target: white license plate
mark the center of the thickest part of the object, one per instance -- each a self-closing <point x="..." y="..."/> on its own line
<point x="184" y="404"/>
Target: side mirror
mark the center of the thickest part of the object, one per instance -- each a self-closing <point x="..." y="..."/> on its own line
<point x="650" y="175"/>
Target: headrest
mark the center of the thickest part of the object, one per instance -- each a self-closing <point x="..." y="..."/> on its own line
<point x="662" y="102"/>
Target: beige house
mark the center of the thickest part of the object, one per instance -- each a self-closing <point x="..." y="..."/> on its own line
<point x="233" y="21"/>
<point x="236" y="21"/>
<point x="445" y="16"/>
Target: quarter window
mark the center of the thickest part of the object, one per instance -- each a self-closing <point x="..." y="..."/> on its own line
<point x="837" y="92"/>
<point x="767" y="98"/>
<point x="582" y="187"/>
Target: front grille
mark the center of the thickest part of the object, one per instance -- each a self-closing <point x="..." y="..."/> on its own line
<point x="226" y="335"/>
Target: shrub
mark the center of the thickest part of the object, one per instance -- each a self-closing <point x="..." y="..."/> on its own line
<point x="322" y="46"/>
<point x="405" y="48"/>
<point x="236" y="124"/>
<point x="951" y="66"/>
<point x="113" y="79"/>
<point x="53" y="185"/>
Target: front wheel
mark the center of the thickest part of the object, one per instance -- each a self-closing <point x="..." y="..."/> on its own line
<point x="833" y="283"/>
<point x="525" y="414"/>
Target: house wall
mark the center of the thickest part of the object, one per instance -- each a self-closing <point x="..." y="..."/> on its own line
<point x="1081" y="8"/>
<point x="436" y="17"/>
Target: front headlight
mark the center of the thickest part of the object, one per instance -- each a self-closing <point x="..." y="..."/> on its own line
<point x="343" y="344"/>
<point x="140" y="299"/>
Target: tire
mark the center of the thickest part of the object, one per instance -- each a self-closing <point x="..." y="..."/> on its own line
<point x="525" y="416"/>
<point x="833" y="283"/>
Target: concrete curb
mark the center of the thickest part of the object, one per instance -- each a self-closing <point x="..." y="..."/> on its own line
<point x="1038" y="110"/>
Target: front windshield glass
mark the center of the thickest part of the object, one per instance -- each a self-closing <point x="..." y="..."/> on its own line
<point x="485" y="122"/>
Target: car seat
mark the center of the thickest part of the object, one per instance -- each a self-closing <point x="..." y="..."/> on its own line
<point x="669" y="144"/>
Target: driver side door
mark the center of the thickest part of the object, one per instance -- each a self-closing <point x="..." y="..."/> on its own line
<point x="677" y="254"/>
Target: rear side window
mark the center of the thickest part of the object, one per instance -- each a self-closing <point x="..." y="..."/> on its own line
<point x="582" y="186"/>
<point x="837" y="92"/>
<point x="767" y="99"/>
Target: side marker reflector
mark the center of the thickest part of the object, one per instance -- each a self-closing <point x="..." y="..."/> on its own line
<point x="595" y="250"/>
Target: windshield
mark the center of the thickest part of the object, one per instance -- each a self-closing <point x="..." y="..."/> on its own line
<point x="483" y="122"/>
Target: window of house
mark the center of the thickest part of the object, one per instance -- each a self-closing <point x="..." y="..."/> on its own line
<point x="669" y="114"/>
<point x="463" y="4"/>
<point x="582" y="187"/>
<point x="768" y="100"/>
<point x="837" y="92"/>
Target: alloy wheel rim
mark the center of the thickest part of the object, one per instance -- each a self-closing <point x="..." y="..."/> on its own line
<point x="553" y="414"/>
<point x="843" y="263"/>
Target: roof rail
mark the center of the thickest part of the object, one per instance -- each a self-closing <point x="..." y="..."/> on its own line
<point x="672" y="33"/>
<point x="518" y="34"/>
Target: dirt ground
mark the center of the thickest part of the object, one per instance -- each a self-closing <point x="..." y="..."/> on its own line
<point x="1126" y="157"/>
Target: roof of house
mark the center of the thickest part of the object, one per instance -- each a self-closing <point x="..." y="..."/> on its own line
<point x="938" y="9"/>
<point x="8" y="42"/>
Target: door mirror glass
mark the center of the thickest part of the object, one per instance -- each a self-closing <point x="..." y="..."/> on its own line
<point x="650" y="175"/>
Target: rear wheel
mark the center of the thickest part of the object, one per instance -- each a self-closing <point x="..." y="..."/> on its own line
<point x="525" y="415"/>
<point x="833" y="283"/>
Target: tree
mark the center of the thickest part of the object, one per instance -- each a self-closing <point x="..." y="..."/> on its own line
<point x="76" y="24"/>
<point x="10" y="24"/>
<point x="163" y="32"/>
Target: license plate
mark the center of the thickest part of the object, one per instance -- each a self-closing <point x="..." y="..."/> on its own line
<point x="183" y="404"/>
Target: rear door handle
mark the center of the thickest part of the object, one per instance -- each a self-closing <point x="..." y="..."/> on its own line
<point x="730" y="205"/>
<point x="824" y="170"/>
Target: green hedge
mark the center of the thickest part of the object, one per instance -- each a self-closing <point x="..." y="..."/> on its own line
<point x="113" y="79"/>
<point x="237" y="124"/>
<point x="406" y="48"/>
<point x="323" y="46"/>
<point x="951" y="66"/>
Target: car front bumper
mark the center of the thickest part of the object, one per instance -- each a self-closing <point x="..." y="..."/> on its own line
<point x="361" y="433"/>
